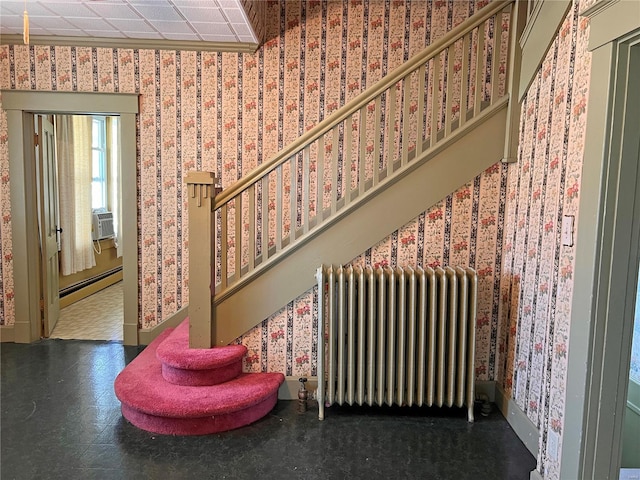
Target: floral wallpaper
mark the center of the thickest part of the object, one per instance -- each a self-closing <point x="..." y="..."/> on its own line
<point x="228" y="112"/>
<point x="462" y="229"/>
<point x="224" y="112"/>
<point x="537" y="273"/>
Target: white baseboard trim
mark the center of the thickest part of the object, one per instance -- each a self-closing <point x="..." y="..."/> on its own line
<point x="524" y="428"/>
<point x="289" y="389"/>
<point x="148" y="335"/>
<point x="7" y="333"/>
<point x="535" y="475"/>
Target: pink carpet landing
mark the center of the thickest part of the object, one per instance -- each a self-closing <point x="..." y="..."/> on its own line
<point x="171" y="389"/>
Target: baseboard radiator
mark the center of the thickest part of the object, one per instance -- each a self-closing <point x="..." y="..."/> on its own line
<point x="396" y="336"/>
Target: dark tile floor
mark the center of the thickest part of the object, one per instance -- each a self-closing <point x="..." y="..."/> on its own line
<point x="60" y="419"/>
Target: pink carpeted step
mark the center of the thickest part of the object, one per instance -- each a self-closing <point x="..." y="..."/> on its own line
<point x="153" y="404"/>
<point x="198" y="366"/>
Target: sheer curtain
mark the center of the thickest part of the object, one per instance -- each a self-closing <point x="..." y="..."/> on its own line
<point x="73" y="144"/>
<point x="115" y="193"/>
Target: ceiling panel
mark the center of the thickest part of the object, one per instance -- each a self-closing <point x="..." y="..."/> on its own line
<point x="185" y="20"/>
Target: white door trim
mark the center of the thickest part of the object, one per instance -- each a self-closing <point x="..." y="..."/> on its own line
<point x="606" y="267"/>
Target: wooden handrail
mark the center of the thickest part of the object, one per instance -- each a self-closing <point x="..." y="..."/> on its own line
<point x="359" y="101"/>
<point x="374" y="140"/>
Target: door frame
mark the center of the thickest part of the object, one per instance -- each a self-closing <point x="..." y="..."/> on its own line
<point x="20" y="106"/>
<point x="606" y="250"/>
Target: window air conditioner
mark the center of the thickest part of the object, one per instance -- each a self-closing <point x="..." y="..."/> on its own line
<point x="102" y="225"/>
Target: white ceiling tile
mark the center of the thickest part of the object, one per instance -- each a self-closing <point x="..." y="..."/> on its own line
<point x="11" y="8"/>
<point x="229" y="4"/>
<point x="219" y="38"/>
<point x="11" y="21"/>
<point x="70" y="9"/>
<point x="235" y="15"/>
<point x="89" y="23"/>
<point x="111" y="11"/>
<point x="242" y="28"/>
<point x="49" y="22"/>
<point x="172" y="27"/>
<point x="32" y="8"/>
<point x="213" y="28"/>
<point x="195" y="3"/>
<point x="66" y="32"/>
<point x="167" y="14"/>
<point x="146" y="19"/>
<point x="131" y="25"/>
<point x="162" y="3"/>
<point x="202" y="14"/>
<point x="192" y="37"/>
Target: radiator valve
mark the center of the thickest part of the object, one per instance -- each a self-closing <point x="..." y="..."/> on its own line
<point x="303" y="395"/>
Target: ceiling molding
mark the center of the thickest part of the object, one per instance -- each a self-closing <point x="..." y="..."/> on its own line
<point x="130" y="43"/>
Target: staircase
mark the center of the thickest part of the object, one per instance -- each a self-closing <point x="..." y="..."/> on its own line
<point x="372" y="166"/>
<point x="174" y="390"/>
<point x="365" y="171"/>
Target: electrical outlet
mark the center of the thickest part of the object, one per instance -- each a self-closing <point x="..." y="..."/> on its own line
<point x="552" y="445"/>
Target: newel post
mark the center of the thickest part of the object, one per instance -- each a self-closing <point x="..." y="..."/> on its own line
<point x="200" y="194"/>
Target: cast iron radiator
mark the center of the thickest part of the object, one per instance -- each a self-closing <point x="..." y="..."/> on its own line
<point x="398" y="336"/>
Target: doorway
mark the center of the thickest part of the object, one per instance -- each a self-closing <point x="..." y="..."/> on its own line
<point x="631" y="430"/>
<point x="79" y="194"/>
<point x="606" y="259"/>
<point x="20" y="107"/>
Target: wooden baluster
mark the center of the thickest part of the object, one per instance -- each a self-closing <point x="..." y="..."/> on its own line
<point x="265" y="219"/>
<point x="420" y="114"/>
<point x="293" y="199"/>
<point x="279" y="207"/>
<point x="346" y="160"/>
<point x="391" y="155"/>
<point x="251" y="234"/>
<point x="480" y="72"/>
<point x="464" y="73"/>
<point x="435" y="100"/>
<point x="376" y="140"/>
<point x="237" y="213"/>
<point x="320" y="182"/>
<point x="406" y="124"/>
<point x="334" y="166"/>
<point x="362" y="161"/>
<point x="495" y="57"/>
<point x="224" y="246"/>
<point x="448" y="88"/>
<point x="306" y="188"/>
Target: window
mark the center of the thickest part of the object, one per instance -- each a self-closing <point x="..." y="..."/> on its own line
<point x="99" y="187"/>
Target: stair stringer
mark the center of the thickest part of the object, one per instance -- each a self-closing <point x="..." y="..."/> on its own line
<point x="393" y="204"/>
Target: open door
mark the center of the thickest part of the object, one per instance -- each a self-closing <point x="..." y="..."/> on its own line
<point x="48" y="222"/>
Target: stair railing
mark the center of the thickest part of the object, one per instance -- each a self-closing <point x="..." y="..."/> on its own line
<point x="341" y="161"/>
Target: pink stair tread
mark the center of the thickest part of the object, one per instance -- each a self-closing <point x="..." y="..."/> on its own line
<point x="153" y="404"/>
<point x="198" y="366"/>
